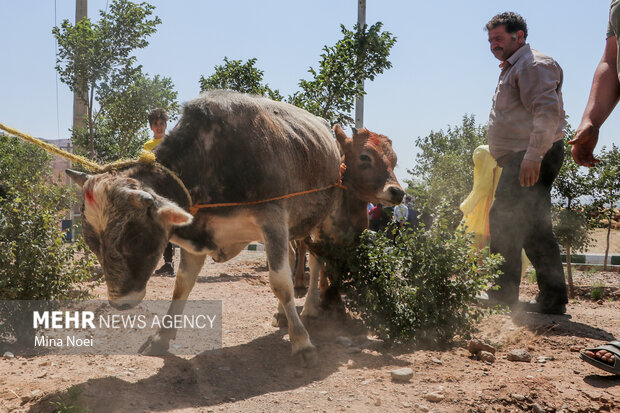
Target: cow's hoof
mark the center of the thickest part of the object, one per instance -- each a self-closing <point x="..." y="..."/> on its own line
<point x="300" y="292"/>
<point x="154" y="346"/>
<point x="309" y="356"/>
<point x="279" y="320"/>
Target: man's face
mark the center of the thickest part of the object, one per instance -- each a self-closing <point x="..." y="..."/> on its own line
<point x="502" y="43"/>
<point x="159" y="128"/>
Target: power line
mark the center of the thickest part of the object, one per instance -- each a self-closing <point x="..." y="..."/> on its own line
<point x="56" y="55"/>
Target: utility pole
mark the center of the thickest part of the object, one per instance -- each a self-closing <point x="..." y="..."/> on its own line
<point x="79" y="106"/>
<point x="79" y="111"/>
<point x="359" y="100"/>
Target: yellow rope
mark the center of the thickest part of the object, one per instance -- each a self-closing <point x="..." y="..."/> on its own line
<point x="145" y="158"/>
<point x="93" y="166"/>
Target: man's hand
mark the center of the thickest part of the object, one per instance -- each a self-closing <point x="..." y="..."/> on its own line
<point x="583" y="143"/>
<point x="529" y="172"/>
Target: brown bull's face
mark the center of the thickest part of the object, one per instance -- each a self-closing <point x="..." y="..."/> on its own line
<point x="370" y="162"/>
<point x="127" y="227"/>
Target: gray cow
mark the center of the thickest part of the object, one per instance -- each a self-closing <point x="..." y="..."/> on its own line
<point x="227" y="147"/>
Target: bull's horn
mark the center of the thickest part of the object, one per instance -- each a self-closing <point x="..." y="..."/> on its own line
<point x="354" y="129"/>
<point x="77" y="176"/>
<point x="140" y="199"/>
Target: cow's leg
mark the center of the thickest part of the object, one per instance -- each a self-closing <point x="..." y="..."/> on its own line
<point x="300" y="282"/>
<point x="311" y="307"/>
<point x="276" y="246"/>
<point x="186" y="278"/>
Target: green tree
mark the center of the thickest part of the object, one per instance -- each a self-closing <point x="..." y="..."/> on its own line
<point x="239" y="76"/>
<point x="443" y="172"/>
<point x="571" y="223"/>
<point x="91" y="55"/>
<point x="606" y="178"/>
<point x="360" y="55"/>
<point x="126" y="102"/>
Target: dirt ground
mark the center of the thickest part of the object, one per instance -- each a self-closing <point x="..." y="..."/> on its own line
<point x="254" y="372"/>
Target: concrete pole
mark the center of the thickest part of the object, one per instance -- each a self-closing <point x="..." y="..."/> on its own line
<point x="79" y="107"/>
<point x="359" y="100"/>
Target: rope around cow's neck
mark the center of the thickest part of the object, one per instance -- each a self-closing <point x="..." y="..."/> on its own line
<point x="149" y="158"/>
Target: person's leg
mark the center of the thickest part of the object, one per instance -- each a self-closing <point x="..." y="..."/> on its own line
<point x="169" y="253"/>
<point x="508" y="221"/>
<point x="541" y="245"/>
<point x="168" y="268"/>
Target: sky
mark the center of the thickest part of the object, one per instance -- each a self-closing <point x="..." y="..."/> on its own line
<point x="442" y="66"/>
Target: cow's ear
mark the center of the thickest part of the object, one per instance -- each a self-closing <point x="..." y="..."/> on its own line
<point x="341" y="137"/>
<point x="77" y="176"/>
<point x="140" y="199"/>
<point x="174" y="215"/>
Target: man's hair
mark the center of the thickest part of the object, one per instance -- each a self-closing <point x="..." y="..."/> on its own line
<point x="157" y="114"/>
<point x="512" y="21"/>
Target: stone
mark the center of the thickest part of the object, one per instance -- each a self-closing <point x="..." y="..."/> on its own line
<point x="436" y="361"/>
<point x="537" y="408"/>
<point x="8" y="355"/>
<point x="518" y="397"/>
<point x="519" y="355"/>
<point x="345" y="341"/>
<point x="475" y="345"/>
<point x="377" y="402"/>
<point x="434" y="397"/>
<point x="402" y="375"/>
<point x="486" y="356"/>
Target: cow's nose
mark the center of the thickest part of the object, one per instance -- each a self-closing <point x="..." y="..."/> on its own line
<point x="127" y="301"/>
<point x="397" y="194"/>
<point x="120" y="305"/>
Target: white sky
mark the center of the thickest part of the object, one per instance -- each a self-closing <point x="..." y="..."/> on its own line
<point x="442" y="66"/>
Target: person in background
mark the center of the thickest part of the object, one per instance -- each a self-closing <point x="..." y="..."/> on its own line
<point x="158" y="119"/>
<point x="375" y="217"/>
<point x="412" y="214"/>
<point x="525" y="132"/>
<point x="604" y="95"/>
<point x="400" y="214"/>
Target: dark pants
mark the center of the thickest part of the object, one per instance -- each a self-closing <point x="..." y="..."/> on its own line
<point x="520" y="218"/>
<point x="168" y="253"/>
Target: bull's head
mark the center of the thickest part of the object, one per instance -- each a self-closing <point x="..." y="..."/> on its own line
<point x="127" y="226"/>
<point x="370" y="162"/>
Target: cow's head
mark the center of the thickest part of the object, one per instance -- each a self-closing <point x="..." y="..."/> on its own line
<point x="370" y="162"/>
<point x="127" y="226"/>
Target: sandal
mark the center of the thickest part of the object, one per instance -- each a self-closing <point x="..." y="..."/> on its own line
<point x="612" y="347"/>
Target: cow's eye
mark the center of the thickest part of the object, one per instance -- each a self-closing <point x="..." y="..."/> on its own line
<point x="364" y="158"/>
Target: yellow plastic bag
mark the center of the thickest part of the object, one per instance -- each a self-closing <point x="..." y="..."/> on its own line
<point x="478" y="203"/>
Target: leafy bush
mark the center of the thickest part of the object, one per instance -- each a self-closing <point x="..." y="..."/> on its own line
<point x="419" y="287"/>
<point x="597" y="291"/>
<point x="35" y="263"/>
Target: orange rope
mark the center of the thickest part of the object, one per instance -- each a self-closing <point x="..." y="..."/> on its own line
<point x="194" y="209"/>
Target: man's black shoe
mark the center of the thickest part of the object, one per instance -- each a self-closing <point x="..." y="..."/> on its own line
<point x="166" y="270"/>
<point x="538" y="307"/>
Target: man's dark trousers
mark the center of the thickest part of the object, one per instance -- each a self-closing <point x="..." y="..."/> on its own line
<point x="169" y="253"/>
<point x="520" y="218"/>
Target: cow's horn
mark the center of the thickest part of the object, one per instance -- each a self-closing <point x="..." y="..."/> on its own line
<point x="77" y="176"/>
<point x="354" y="129"/>
<point x="140" y="199"/>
